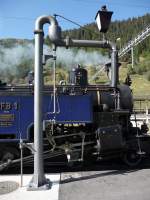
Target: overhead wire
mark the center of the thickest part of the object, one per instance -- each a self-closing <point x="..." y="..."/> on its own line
<point x="33" y="19"/>
<point x="77" y="24"/>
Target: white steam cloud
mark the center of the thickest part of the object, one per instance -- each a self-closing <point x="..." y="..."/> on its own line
<point x="12" y="57"/>
<point x="70" y="57"/>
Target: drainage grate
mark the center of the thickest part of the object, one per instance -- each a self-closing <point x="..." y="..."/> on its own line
<point x="8" y="186"/>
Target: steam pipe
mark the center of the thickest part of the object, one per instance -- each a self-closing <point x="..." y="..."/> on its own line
<point x="68" y="42"/>
<point x="114" y="66"/>
<point x="39" y="181"/>
<point x="98" y="44"/>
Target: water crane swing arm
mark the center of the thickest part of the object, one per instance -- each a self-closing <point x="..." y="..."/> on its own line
<point x="69" y="42"/>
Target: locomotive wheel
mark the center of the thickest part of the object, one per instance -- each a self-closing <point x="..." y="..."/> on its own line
<point x="132" y="158"/>
<point x="9" y="153"/>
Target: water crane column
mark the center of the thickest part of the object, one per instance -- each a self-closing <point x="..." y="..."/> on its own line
<point x="39" y="180"/>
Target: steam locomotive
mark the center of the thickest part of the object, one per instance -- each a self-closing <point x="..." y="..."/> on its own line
<point x="81" y="121"/>
<point x="91" y="121"/>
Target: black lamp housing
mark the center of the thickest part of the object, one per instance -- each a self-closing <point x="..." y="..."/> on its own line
<point x="103" y="19"/>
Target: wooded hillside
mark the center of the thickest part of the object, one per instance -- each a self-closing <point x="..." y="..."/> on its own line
<point x="17" y="56"/>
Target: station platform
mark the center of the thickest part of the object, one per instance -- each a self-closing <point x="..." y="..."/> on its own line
<point x="10" y="188"/>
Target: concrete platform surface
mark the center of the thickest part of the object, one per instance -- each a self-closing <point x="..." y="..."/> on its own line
<point x="106" y="185"/>
<point x="100" y="184"/>
<point x="21" y="193"/>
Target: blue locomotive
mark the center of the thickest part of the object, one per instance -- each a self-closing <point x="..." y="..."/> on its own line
<point x="83" y="121"/>
<point x="91" y="121"/>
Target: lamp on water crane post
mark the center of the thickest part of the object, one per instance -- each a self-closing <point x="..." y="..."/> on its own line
<point x="103" y="19"/>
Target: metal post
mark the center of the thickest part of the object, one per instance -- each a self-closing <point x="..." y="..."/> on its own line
<point x="39" y="181"/>
<point x="132" y="57"/>
<point x="54" y="81"/>
<point x="21" y="162"/>
<point x="114" y="71"/>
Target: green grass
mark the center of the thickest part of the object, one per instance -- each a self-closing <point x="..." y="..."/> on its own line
<point x="140" y="85"/>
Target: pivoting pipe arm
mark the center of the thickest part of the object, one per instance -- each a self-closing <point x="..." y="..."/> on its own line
<point x="68" y="42"/>
<point x="55" y="37"/>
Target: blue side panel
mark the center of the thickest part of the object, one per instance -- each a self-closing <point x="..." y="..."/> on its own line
<point x="71" y="109"/>
<point x="17" y="113"/>
<point x="9" y="115"/>
<point x="26" y="114"/>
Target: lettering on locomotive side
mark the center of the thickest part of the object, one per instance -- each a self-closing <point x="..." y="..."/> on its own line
<point x="8" y="106"/>
<point x="6" y="120"/>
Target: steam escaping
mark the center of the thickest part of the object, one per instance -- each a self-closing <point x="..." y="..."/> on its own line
<point x="11" y="57"/>
<point x="17" y="61"/>
<point x="70" y="57"/>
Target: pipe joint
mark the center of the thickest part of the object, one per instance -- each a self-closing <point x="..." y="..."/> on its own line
<point x="43" y="20"/>
<point x="68" y="41"/>
<point x="40" y="31"/>
<point x="54" y="29"/>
